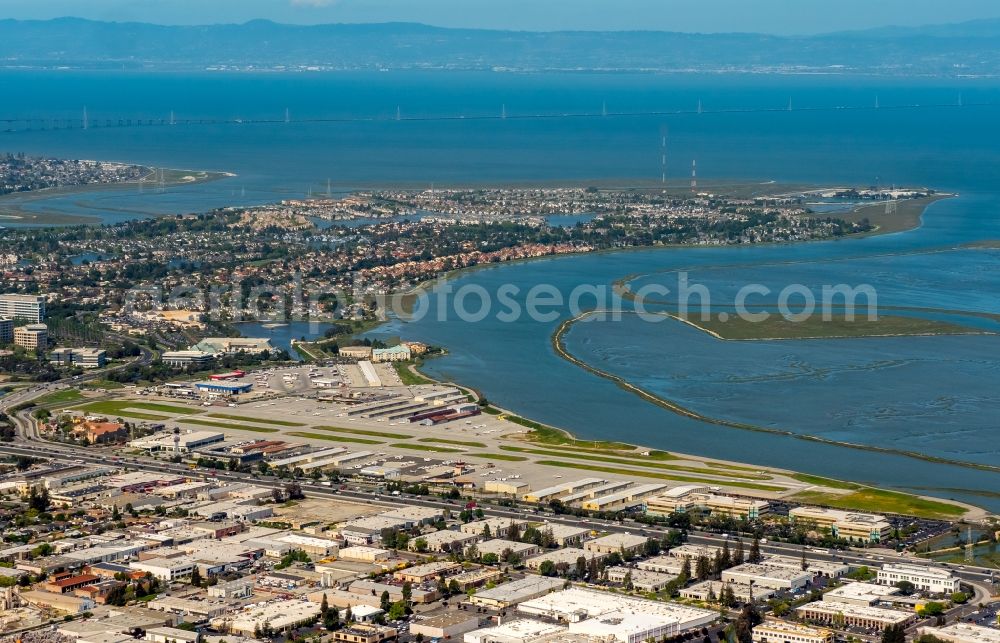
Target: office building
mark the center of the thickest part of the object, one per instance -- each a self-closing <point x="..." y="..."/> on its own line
<point x="926" y="579"/>
<point x="775" y="631"/>
<point x="844" y="524"/>
<point x="32" y="336"/>
<point x="29" y="308"/>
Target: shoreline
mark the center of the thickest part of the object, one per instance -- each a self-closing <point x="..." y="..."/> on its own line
<point x="970" y="511"/>
<point x="561" y="350"/>
<point x="13" y="213"/>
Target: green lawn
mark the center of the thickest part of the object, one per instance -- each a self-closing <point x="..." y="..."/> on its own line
<point x="424" y="447"/>
<point x="777" y="327"/>
<point x="60" y="397"/>
<point x="223" y="425"/>
<point x="498" y="456"/>
<point x="549" y="436"/>
<point x="882" y="501"/>
<point x="641" y="461"/>
<point x="655" y="475"/>
<point x="377" y="434"/>
<point x="331" y="438"/>
<point x="459" y="443"/>
<point x="117" y="407"/>
<point x="408" y="377"/>
<point x="824" y="482"/>
<point x="255" y="420"/>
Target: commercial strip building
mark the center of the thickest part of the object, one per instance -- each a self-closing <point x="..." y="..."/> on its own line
<point x="630" y="498"/>
<point x="926" y="579"/>
<point x="844" y="524"/>
<point x="445" y="626"/>
<point x="697" y="498"/>
<point x="775" y="631"/>
<point x="516" y="631"/>
<point x="498" y="527"/>
<point x="962" y="633"/>
<point x="863" y="594"/>
<point x="276" y="616"/>
<point x="567" y="555"/>
<point x="556" y="492"/>
<point x="850" y="615"/>
<point x="708" y="589"/>
<point x="640" y="579"/>
<point x="498" y="546"/>
<point x="769" y="576"/>
<point x="617" y="543"/>
<point x="515" y="592"/>
<point x="615" y="616"/>
<point x="30" y="308"/>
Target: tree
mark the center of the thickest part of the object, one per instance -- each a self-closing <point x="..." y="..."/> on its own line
<point x="547" y="568"/>
<point x="331" y="620"/>
<point x="702" y="568"/>
<point x="324" y="606"/>
<point x="396" y="611"/>
<point x="804" y="562"/>
<point x="486" y="532"/>
<point x="420" y="544"/>
<point x="738" y="555"/>
<point x="725" y="559"/>
<point x="748" y="619"/>
<point x="755" y="556"/>
<point x="894" y="634"/>
<point x="905" y="587"/>
<point x="407" y="593"/>
<point x="686" y="568"/>
<point x="581" y="566"/>
<point x="384" y="602"/>
<point x="932" y="608"/>
<point x="727" y="597"/>
<point x="196" y="576"/>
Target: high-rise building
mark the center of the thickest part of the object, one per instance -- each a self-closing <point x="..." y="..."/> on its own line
<point x="27" y="307"/>
<point x="6" y="330"/>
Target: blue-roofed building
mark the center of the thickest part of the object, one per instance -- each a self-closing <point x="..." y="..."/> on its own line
<point x="223" y="389"/>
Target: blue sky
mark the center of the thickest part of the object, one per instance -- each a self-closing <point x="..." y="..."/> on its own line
<point x="769" y="16"/>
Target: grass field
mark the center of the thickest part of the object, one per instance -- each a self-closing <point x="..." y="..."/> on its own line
<point x="408" y="377"/>
<point x="459" y="443"/>
<point x="777" y="327"/>
<point x="655" y="475"/>
<point x="643" y="462"/>
<point x="377" y="434"/>
<point x="255" y="420"/>
<point x="424" y="447"/>
<point x="506" y="457"/>
<point x="882" y="501"/>
<point x="550" y="436"/>
<point x="332" y="438"/>
<point x="231" y="427"/>
<point x="118" y="407"/>
<point x="824" y="482"/>
<point x="60" y="397"/>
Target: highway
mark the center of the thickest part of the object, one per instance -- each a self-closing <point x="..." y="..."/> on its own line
<point x="981" y="578"/>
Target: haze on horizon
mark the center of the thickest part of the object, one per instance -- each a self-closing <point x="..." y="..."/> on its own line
<point x="780" y="17"/>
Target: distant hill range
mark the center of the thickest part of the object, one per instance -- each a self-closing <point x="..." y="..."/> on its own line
<point x="971" y="48"/>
